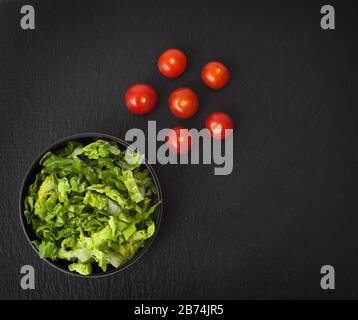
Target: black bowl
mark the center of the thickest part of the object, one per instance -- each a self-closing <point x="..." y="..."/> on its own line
<point x="30" y="175"/>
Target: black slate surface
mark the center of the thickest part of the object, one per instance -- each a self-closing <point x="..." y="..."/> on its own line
<point x="290" y="205"/>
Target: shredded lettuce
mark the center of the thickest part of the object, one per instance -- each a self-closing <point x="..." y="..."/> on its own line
<point x="91" y="205"/>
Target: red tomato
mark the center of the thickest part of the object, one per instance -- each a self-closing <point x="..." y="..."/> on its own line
<point x="215" y="75"/>
<point x="179" y="140"/>
<point x="183" y="103"/>
<point x="172" y="63"/>
<point x="217" y="122"/>
<point x="141" y="98"/>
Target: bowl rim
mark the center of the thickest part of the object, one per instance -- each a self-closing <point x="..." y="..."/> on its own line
<point x="90" y="135"/>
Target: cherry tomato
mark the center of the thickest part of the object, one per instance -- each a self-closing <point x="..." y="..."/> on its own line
<point x="172" y="63"/>
<point x="141" y="98"/>
<point x="217" y="122"/>
<point x="179" y="140"/>
<point x="215" y="75"/>
<point x="183" y="103"/>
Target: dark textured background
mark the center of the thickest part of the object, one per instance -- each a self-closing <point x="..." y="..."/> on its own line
<point x="290" y="205"/>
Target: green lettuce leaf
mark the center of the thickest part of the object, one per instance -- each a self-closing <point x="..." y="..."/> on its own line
<point x="132" y="186"/>
<point x="101" y="149"/>
<point x="82" y="268"/>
